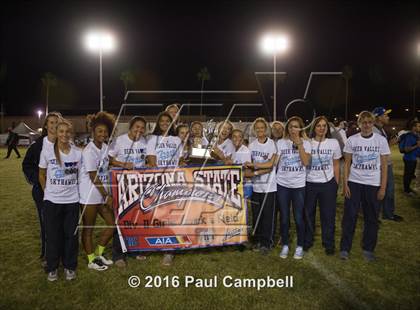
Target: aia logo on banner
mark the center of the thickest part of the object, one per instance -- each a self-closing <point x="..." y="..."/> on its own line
<point x="168" y="240"/>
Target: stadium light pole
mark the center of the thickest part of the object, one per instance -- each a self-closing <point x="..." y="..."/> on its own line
<point x="39" y="112"/>
<point x="275" y="44"/>
<point x="100" y="42"/>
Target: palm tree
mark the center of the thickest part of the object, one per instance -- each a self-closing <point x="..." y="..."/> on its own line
<point x="48" y="80"/>
<point x="128" y="78"/>
<point x="347" y="76"/>
<point x="203" y="75"/>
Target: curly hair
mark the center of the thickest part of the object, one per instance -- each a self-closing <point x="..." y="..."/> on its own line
<point x="101" y="118"/>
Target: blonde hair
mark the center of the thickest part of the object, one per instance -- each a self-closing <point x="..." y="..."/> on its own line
<point x="238" y="130"/>
<point x="261" y="120"/>
<point x="302" y="133"/>
<point x="174" y="105"/>
<point x="363" y="115"/>
<point x="277" y="122"/>
<point x="61" y="122"/>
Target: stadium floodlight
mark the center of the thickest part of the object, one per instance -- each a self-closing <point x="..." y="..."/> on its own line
<point x="39" y="112"/>
<point x="274" y="44"/>
<point x="100" y="41"/>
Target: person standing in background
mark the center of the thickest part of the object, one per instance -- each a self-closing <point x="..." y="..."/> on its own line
<point x="410" y="145"/>
<point x="388" y="203"/>
<point x="12" y="142"/>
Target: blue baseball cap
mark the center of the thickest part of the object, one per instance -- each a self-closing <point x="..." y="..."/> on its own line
<point x="379" y="111"/>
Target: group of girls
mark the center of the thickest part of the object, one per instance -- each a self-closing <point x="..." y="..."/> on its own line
<point x="291" y="169"/>
<point x="281" y="169"/>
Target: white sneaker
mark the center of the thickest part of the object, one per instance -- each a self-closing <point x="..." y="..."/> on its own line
<point x="70" y="274"/>
<point x="105" y="261"/>
<point x="284" y="251"/>
<point x="96" y="264"/>
<point x="298" y="253"/>
<point x="53" y="276"/>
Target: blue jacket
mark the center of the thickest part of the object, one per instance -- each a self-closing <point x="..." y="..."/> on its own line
<point x="410" y="140"/>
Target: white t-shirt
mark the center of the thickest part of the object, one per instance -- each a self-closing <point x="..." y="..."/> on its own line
<point x="61" y="184"/>
<point x="366" y="158"/>
<point x="167" y="150"/>
<point x="47" y="143"/>
<point x="93" y="159"/>
<point x="241" y="156"/>
<point x="261" y="153"/>
<point x="126" y="150"/>
<point x="291" y="173"/>
<point x="227" y="147"/>
<point x="322" y="156"/>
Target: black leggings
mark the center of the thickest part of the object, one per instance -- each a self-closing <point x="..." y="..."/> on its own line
<point x="409" y="169"/>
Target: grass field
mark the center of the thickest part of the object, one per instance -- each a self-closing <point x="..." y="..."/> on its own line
<point x="320" y="282"/>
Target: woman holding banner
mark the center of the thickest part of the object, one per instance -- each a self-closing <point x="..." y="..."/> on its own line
<point x="128" y="152"/>
<point x="321" y="185"/>
<point x="94" y="192"/>
<point x="264" y="156"/>
<point x="294" y="152"/>
<point x="164" y="149"/>
<point x="241" y="156"/>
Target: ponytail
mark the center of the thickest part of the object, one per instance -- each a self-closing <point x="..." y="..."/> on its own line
<point x="57" y="152"/>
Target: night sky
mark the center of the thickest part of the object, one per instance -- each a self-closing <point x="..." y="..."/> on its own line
<point x="167" y="44"/>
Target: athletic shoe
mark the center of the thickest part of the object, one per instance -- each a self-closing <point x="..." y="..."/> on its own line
<point x="330" y="252"/>
<point x="96" y="264"/>
<point x="168" y="259"/>
<point x="120" y="263"/>
<point x="284" y="251"/>
<point x="298" y="253"/>
<point x="70" y="274"/>
<point x="264" y="250"/>
<point x="141" y="257"/>
<point x="344" y="255"/>
<point x="104" y="261"/>
<point x="398" y="218"/>
<point x="369" y="256"/>
<point x="52" y="276"/>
